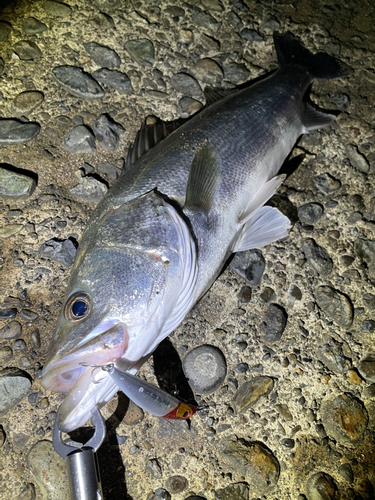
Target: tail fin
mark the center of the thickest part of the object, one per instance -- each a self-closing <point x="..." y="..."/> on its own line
<point x="321" y="66"/>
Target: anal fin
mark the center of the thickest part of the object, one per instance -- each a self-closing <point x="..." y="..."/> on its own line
<point x="313" y="119"/>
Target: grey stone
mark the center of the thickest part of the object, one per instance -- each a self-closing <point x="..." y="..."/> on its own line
<point x="8" y="313"/>
<point x="207" y="71"/>
<point x="335" y="304"/>
<point x="310" y="213"/>
<point x="236" y="73"/>
<point x="17" y="132"/>
<point x="35" y="339"/>
<point x="251" y="391"/>
<point x="369" y="301"/>
<point x="110" y="171"/>
<point x="274" y="323"/>
<point x="77" y="82"/>
<point x="11" y="330"/>
<point x="141" y="50"/>
<point x="61" y="251"/>
<point x="102" y="21"/>
<point x="346" y="471"/>
<point x="205" y="368"/>
<point x="368" y="325"/>
<point x="250" y="265"/>
<point x="205" y="20"/>
<point x="153" y="467"/>
<point x="186" y="84"/>
<point x="234" y="20"/>
<point x="321" y="486"/>
<point x="107" y="132"/>
<point x="27" y="50"/>
<point x="317" y="257"/>
<point x="89" y="189"/>
<point x="160" y="494"/>
<point x="10" y="230"/>
<point x="14" y="386"/>
<point x="251" y="35"/>
<point x="102" y="55"/>
<point x="27" y="492"/>
<point x="26" y="101"/>
<point x="5" y="30"/>
<point x="365" y="249"/>
<point x="357" y="159"/>
<point x="28" y="315"/>
<point x="333" y="356"/>
<point x="113" y="78"/>
<point x="6" y="354"/>
<point x="57" y="9"/>
<point x="326" y="184"/>
<point x="80" y="140"/>
<point x="188" y="106"/>
<point x="32" y="26"/>
<point x="235" y="491"/>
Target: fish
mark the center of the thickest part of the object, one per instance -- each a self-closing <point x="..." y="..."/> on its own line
<point x="162" y="234"/>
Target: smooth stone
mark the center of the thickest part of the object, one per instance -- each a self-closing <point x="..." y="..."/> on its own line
<point x="27" y="51"/>
<point x="6" y="354"/>
<point x="284" y="412"/>
<point x="80" y="140"/>
<point x="317" y="257"/>
<point x="235" y="491"/>
<point x="141" y="50"/>
<point x="5" y="30"/>
<point x="176" y="484"/>
<point x="115" y="79"/>
<point x="102" y="21"/>
<point x="205" y="20"/>
<point x="49" y="471"/>
<point x="310" y="213"/>
<point x="345" y="419"/>
<point x="321" y="486"/>
<point x="188" y="107"/>
<point x="251" y="391"/>
<point x="10" y="230"/>
<point x="89" y="189"/>
<point x="357" y="159"/>
<point x="333" y="356"/>
<point x="273" y="324"/>
<point x="57" y="9"/>
<point x="207" y="71"/>
<point x="205" y="368"/>
<point x="26" y="101"/>
<point x="16" y="132"/>
<point x="78" y="82"/>
<point x="9" y="313"/>
<point x="249" y="265"/>
<point x="326" y="184"/>
<point x="11" y="330"/>
<point x="107" y="132"/>
<point x="366" y="368"/>
<point x="28" y="315"/>
<point x="251" y="35"/>
<point x="335" y="304"/>
<point x="32" y="26"/>
<point x="102" y="55"/>
<point x="186" y="84"/>
<point x="14" y="386"/>
<point x="160" y="494"/>
<point x="365" y="249"/>
<point x="153" y="467"/>
<point x="267" y="294"/>
<point x="346" y="471"/>
<point x="111" y="172"/>
<point x="60" y="251"/>
<point x="244" y="295"/>
<point x="236" y="73"/>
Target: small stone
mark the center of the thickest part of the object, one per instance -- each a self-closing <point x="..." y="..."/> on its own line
<point x="335" y="304"/>
<point x="176" y="484"/>
<point x="186" y="84"/>
<point x="251" y="391"/>
<point x="267" y="294"/>
<point x="366" y="368"/>
<point x="154" y="468"/>
<point x="321" y="486"/>
<point x="317" y="257"/>
<point x="288" y="443"/>
<point x="14" y="386"/>
<point x="89" y="189"/>
<point x="115" y="79"/>
<point x="107" y="132"/>
<point x="6" y="354"/>
<point x="242" y="368"/>
<point x="274" y="323"/>
<point x="19" y="345"/>
<point x="368" y="326"/>
<point x="57" y="9"/>
<point x="5" y="30"/>
<point x="17" y="132"/>
<point x="326" y="184"/>
<point x="26" y="101"/>
<point x="61" y="251"/>
<point x="357" y="159"/>
<point x="32" y="26"/>
<point x="141" y="50"/>
<point x="294" y="293"/>
<point x="310" y="213"/>
<point x="284" y="412"/>
<point x="332" y="355"/>
<point x="207" y="71"/>
<point x="10" y="230"/>
<point x="134" y="414"/>
<point x="28" y="315"/>
<point x="102" y="55"/>
<point x="365" y="249"/>
<point x="235" y="491"/>
<point x="77" y="82"/>
<point x="160" y="494"/>
<point x="205" y="20"/>
<point x="346" y="260"/>
<point x="346" y="471"/>
<point x="244" y="294"/>
<point x="236" y="73"/>
<point x="250" y="265"/>
<point x="27" y="50"/>
<point x="2" y="436"/>
<point x="80" y="140"/>
<point x="205" y="368"/>
<point x="11" y="330"/>
<point x="188" y="106"/>
<point x="8" y="313"/>
<point x="251" y="35"/>
<point x="345" y="419"/>
<point x="102" y="21"/>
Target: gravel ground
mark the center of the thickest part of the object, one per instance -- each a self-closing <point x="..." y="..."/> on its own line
<point x="291" y="412"/>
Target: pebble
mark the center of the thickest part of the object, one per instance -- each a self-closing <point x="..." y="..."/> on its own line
<point x="205" y="20"/>
<point x="19" y="345"/>
<point x="244" y="295"/>
<point x="235" y="491"/>
<point x="80" y="140"/>
<point x="317" y="257"/>
<point x="326" y="184"/>
<point x="294" y="293"/>
<point x="27" y="50"/>
<point x="251" y="391"/>
<point x="9" y="313"/>
<point x="10" y="230"/>
<point x="205" y="368"/>
<point x="366" y="368"/>
<point x="160" y="494"/>
<point x="335" y="304"/>
<point x="11" y="330"/>
<point x="365" y="249"/>
<point x="310" y="213"/>
<point x="357" y="159"/>
<point x="141" y="50"/>
<point x="176" y="484"/>
<point x="26" y="101"/>
<point x="57" y="9"/>
<point x="346" y="471"/>
<point x="102" y="21"/>
<point x="242" y="368"/>
<point x="5" y="30"/>
<point x="102" y="55"/>
<point x="77" y="82"/>
<point x="17" y="132"/>
<point x="6" y="354"/>
<point x="274" y="323"/>
<point x="153" y="467"/>
<point x="14" y="386"/>
<point x="188" y="106"/>
<point x="89" y="189"/>
<point x="368" y="300"/>
<point x="251" y="35"/>
<point x="321" y="486"/>
<point x="368" y="326"/>
<point x="32" y="26"/>
<point x="207" y="71"/>
<point x="333" y="356"/>
<point x="107" y="132"/>
<point x="113" y="78"/>
<point x="28" y="315"/>
<point x="254" y="461"/>
<point x="111" y="172"/>
<point x="186" y="84"/>
<point x="236" y="73"/>
<point x="344" y="418"/>
<point x="61" y="251"/>
<point x="249" y="265"/>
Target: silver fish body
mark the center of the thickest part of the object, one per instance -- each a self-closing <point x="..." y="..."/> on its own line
<point x="162" y="234"/>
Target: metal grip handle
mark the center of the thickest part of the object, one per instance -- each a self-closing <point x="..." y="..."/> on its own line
<point x="84" y="476"/>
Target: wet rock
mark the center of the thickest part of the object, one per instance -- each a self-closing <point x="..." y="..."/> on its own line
<point x="326" y="184"/>
<point x="176" y="484"/>
<point x="10" y="230"/>
<point x="251" y="391"/>
<point x="107" y="132"/>
<point x="14" y="386"/>
<point x="134" y="414"/>
<point x="333" y="356"/>
<point x="365" y="249"/>
<point x="366" y="368"/>
<point x="11" y="330"/>
<point x="357" y="159"/>
<point x="250" y="265"/>
<point x="57" y="9"/>
<point x="80" y="140"/>
<point x="186" y="84"/>
<point x="188" y="106"/>
<point x="310" y="213"/>
<point x="77" y="82"/>
<point x="113" y="78"/>
<point x="207" y="71"/>
<point x="344" y="418"/>
<point x="251" y="35"/>
<point x="27" y="50"/>
<point x="15" y="186"/>
<point x="61" y="251"/>
<point x="236" y="73"/>
<point x="5" y="30"/>
<point x="49" y="471"/>
<point x="254" y="461"/>
<point x="153" y="467"/>
<point x="235" y="491"/>
<point x="335" y="304"/>
<point x="32" y="26"/>
<point x="89" y="189"/>
<point x="346" y="471"/>
<point x="17" y="132"/>
<point x="274" y="323"/>
<point x="27" y="101"/>
<point x="205" y="368"/>
<point x="317" y="257"/>
<point x="141" y="50"/>
<point x="6" y="354"/>
<point x="321" y="486"/>
<point x="102" y="55"/>
<point x="205" y="20"/>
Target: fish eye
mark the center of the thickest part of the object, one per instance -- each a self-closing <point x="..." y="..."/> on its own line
<point x="78" y="307"/>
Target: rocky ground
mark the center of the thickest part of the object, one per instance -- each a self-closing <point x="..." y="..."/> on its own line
<point x="286" y="400"/>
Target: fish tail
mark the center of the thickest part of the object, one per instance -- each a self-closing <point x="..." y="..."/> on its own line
<point x="321" y="66"/>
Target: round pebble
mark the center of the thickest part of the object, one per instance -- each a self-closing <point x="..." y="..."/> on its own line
<point x="107" y="132"/>
<point x="8" y="313"/>
<point x="6" y="354"/>
<point x="326" y="184"/>
<point x="102" y="55"/>
<point x="186" y="84"/>
<point x="32" y="26"/>
<point x="205" y="368"/>
<point x="321" y="486"/>
<point x="27" y="50"/>
<point x="207" y="71"/>
<point x="310" y="213"/>
<point x="188" y="106"/>
<point x="235" y="491"/>
<point x="89" y="189"/>
<point x="11" y="330"/>
<point x="141" y="50"/>
<point x="26" y="101"/>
